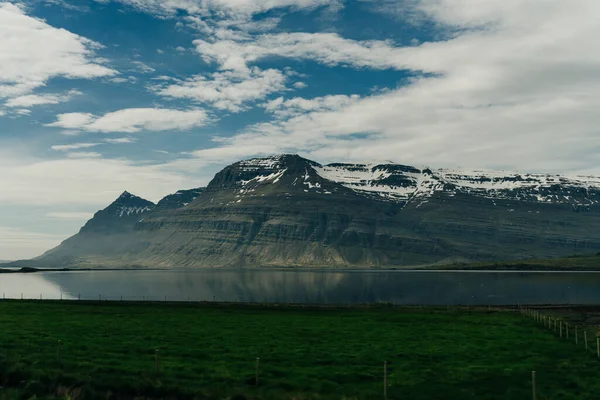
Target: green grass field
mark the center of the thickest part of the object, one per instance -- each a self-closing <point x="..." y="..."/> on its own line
<point x="587" y="262"/>
<point x="209" y="351"/>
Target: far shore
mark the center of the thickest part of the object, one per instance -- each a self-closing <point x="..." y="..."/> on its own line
<point x="445" y="268"/>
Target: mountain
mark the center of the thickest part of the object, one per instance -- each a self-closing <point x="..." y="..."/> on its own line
<point x="120" y="216"/>
<point x="180" y="199"/>
<point x="288" y="211"/>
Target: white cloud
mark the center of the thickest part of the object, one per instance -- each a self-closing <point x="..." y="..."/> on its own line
<point x="516" y="88"/>
<point x="142" y="67"/>
<point x="16" y="244"/>
<point x="299" y="105"/>
<point x="133" y="120"/>
<point x="74" y="146"/>
<point x="327" y="48"/>
<point x="228" y="90"/>
<point x="122" y="140"/>
<point x="32" y="52"/>
<point x="73" y="120"/>
<point x="162" y="78"/>
<point x="23" y="111"/>
<point x="40" y="99"/>
<point x="84" y="154"/>
<point x="83" y="216"/>
<point x="300" y="85"/>
<point x="180" y="49"/>
<point x="130" y="79"/>
<point x="89" y="183"/>
<point x="233" y="9"/>
<point x="68" y="132"/>
<point x="159" y="51"/>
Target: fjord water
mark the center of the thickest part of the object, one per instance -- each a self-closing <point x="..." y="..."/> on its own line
<point x="312" y="287"/>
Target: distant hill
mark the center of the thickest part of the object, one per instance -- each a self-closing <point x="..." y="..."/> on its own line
<point x="287" y="211"/>
<point x="590" y="262"/>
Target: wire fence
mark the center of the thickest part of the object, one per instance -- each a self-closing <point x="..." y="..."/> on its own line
<point x="112" y="297"/>
<point x="568" y="331"/>
<point x="582" y="336"/>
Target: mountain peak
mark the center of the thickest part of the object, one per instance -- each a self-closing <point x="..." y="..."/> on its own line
<point x="260" y="170"/>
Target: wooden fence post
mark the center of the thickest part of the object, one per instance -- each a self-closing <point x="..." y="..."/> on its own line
<point x="59" y="345"/>
<point x="256" y="371"/>
<point x="561" y="331"/>
<point x="576" y="336"/>
<point x="598" y="346"/>
<point x="533" y="385"/>
<point x="156" y="361"/>
<point x="385" y="380"/>
<point x="567" y="327"/>
<point x="585" y="339"/>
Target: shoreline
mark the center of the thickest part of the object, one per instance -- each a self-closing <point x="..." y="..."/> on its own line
<point x="478" y="269"/>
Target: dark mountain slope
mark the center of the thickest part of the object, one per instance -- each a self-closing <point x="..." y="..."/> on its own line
<point x="289" y="211"/>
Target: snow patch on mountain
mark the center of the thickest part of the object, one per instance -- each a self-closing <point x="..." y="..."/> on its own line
<point x="372" y="178"/>
<point x="126" y="211"/>
<point x="403" y="183"/>
<point x="255" y="164"/>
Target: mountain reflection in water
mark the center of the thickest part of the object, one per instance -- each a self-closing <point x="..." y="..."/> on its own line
<point x="313" y="287"/>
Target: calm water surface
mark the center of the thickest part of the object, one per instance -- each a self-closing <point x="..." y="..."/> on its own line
<point x="321" y="287"/>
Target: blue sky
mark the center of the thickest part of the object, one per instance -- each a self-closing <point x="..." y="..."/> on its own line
<point x="152" y="96"/>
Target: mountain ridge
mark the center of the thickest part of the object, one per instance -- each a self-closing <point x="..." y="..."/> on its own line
<point x="286" y="210"/>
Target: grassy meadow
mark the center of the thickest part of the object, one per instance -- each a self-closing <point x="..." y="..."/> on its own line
<point x="209" y="351"/>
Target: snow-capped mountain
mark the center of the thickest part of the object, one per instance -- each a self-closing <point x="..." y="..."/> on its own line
<point x="405" y="184"/>
<point x="179" y="199"/>
<point x="289" y="211"/>
<point x="119" y="215"/>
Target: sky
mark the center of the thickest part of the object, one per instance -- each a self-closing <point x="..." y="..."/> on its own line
<point x="152" y="96"/>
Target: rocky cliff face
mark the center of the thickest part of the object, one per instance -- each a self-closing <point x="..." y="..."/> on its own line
<point x="289" y="211"/>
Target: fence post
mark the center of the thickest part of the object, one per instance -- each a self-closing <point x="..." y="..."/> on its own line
<point x="561" y="334"/>
<point x="79" y="296"/>
<point x="585" y="339"/>
<point x="567" y="327"/>
<point x="156" y="361"/>
<point x="598" y="346"/>
<point x="257" y="369"/>
<point x="385" y="380"/>
<point x="576" y="336"/>
<point x="59" y="345"/>
<point x="533" y="385"/>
